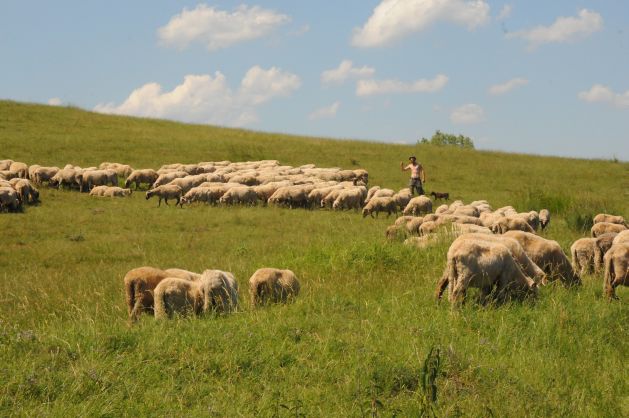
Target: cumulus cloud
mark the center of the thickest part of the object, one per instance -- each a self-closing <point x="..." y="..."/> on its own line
<point x="564" y="29"/>
<point x="218" y="29"/>
<point x="207" y="98"/>
<point x="603" y="94"/>
<point x="392" y="20"/>
<point x="325" y="112"/>
<point x="505" y="87"/>
<point x="505" y="12"/>
<point x="55" y="101"/>
<point x="467" y="114"/>
<point x="344" y="71"/>
<point x="372" y="87"/>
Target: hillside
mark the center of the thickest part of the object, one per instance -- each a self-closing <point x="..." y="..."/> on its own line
<point x="356" y="340"/>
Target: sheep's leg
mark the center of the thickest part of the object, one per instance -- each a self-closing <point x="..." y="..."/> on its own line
<point x="166" y="201"/>
<point x="159" y="201"/>
<point x="442" y="285"/>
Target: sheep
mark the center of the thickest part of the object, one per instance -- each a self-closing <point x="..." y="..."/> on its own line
<point x="239" y="195"/>
<point x="508" y="223"/>
<point x="467" y="210"/>
<point x="168" y="177"/>
<point x="188" y="182"/>
<point x="443" y="209"/>
<point x="583" y="252"/>
<point x="271" y="285"/>
<point x="362" y="175"/>
<point x="544" y="218"/>
<point x="291" y="196"/>
<point x="98" y="191"/>
<point x="9" y="199"/>
<point x="490" y="218"/>
<point x="403" y="197"/>
<point x="428" y="227"/>
<point x="485" y="265"/>
<point x="621" y="237"/>
<point x="532" y="218"/>
<point x="330" y="197"/>
<point x="382" y="193"/>
<point x="613" y="219"/>
<point x="165" y="192"/>
<point x="7" y="175"/>
<point x="116" y="192"/>
<point x="65" y="176"/>
<point x="26" y="191"/>
<point x="91" y="178"/>
<point x="606" y="227"/>
<point x="548" y="255"/>
<point x="122" y="170"/>
<point x="454" y="205"/>
<point x="438" y="195"/>
<point x="380" y="204"/>
<point x="371" y="192"/>
<point x="146" y="176"/>
<point x="215" y="291"/>
<point x="418" y="205"/>
<point x="139" y="284"/>
<point x="5" y="165"/>
<point x="43" y="174"/>
<point x="529" y="268"/>
<point x="264" y="191"/>
<point x="421" y="242"/>
<point x="21" y="169"/>
<point x="616" y="269"/>
<point x="603" y="244"/>
<point x="462" y="219"/>
<point x="349" y="199"/>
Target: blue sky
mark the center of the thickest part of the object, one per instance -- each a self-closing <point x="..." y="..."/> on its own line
<point x="537" y="77"/>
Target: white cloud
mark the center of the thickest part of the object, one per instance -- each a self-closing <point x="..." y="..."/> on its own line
<point x="218" y="29"/>
<point x="505" y="12"/>
<point x="325" y="112"/>
<point x="301" y="30"/>
<point x="564" y="29"/>
<point x="344" y="71"/>
<point x="392" y="20"/>
<point x="55" y="101"/>
<point x="467" y="114"/>
<point x="603" y="94"/>
<point x="371" y="87"/>
<point x="207" y="98"/>
<point x="505" y="87"/>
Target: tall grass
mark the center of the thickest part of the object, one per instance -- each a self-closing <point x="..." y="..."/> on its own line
<point x="364" y="338"/>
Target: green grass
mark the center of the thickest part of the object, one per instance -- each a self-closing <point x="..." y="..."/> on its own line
<point x="356" y="339"/>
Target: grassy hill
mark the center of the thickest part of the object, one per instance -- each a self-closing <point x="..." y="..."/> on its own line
<point x="356" y="341"/>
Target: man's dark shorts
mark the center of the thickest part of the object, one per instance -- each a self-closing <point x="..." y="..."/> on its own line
<point x="416" y="185"/>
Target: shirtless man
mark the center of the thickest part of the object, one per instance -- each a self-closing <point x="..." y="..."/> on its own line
<point x="418" y="176"/>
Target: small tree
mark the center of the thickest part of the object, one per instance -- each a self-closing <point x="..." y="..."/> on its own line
<point x="444" y="139"/>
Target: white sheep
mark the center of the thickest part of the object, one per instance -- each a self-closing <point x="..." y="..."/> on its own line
<point x="165" y="192"/>
<point x="273" y="285"/>
<point x="380" y="204"/>
<point x="418" y="205"/>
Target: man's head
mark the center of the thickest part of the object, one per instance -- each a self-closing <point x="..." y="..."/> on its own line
<point x="412" y="158"/>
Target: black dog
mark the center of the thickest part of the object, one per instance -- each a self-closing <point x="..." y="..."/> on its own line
<point x="438" y="195"/>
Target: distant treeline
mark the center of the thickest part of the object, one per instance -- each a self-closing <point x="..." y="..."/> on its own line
<point x="441" y="139"/>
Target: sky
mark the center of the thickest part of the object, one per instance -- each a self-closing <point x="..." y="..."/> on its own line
<point x="530" y="76"/>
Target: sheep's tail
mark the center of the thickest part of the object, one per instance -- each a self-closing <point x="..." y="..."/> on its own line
<point x="442" y="284"/>
<point x="130" y="293"/>
<point x="159" y="305"/>
<point x="608" y="288"/>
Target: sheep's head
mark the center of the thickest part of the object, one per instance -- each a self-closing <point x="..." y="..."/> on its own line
<point x="149" y="194"/>
<point x="366" y="211"/>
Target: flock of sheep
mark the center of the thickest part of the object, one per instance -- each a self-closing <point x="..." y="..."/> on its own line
<point x="499" y="251"/>
<point x="171" y="292"/>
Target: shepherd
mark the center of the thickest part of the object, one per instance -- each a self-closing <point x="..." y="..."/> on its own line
<point x="418" y="175"/>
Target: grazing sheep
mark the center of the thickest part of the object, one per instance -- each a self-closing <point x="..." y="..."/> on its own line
<point x="383" y="193"/>
<point x="65" y="176"/>
<point x="509" y="223"/>
<point x="371" y="192"/>
<point x="165" y="192"/>
<point x="116" y="192"/>
<point x="605" y="228"/>
<point x="43" y="174"/>
<point x="139" y="284"/>
<point x="98" y="191"/>
<point x="9" y="199"/>
<point x="467" y="210"/>
<point x="380" y="204"/>
<point x="328" y="200"/>
<point x="403" y="197"/>
<point x="91" y="178"/>
<point x="612" y="219"/>
<point x="26" y="191"/>
<point x="168" y="177"/>
<point x="440" y="195"/>
<point x="462" y="219"/>
<point x="603" y="244"/>
<point x="531" y="218"/>
<point x="243" y="195"/>
<point x="616" y="269"/>
<point x="421" y="242"/>
<point x="621" y="237"/>
<point x="490" y="218"/>
<point x="290" y="196"/>
<point x="122" y="170"/>
<point x="428" y="227"/>
<point x="487" y="266"/>
<point x="544" y="218"/>
<point x="21" y="169"/>
<point x="583" y="252"/>
<point x="5" y="165"/>
<point x="418" y="205"/>
<point x="442" y="210"/>
<point x="529" y="268"/>
<point x="349" y="199"/>
<point x="548" y="255"/>
<point x="215" y="291"/>
<point x="271" y="285"/>
<point x="146" y="176"/>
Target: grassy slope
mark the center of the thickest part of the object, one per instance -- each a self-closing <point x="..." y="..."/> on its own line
<point x="359" y="332"/>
